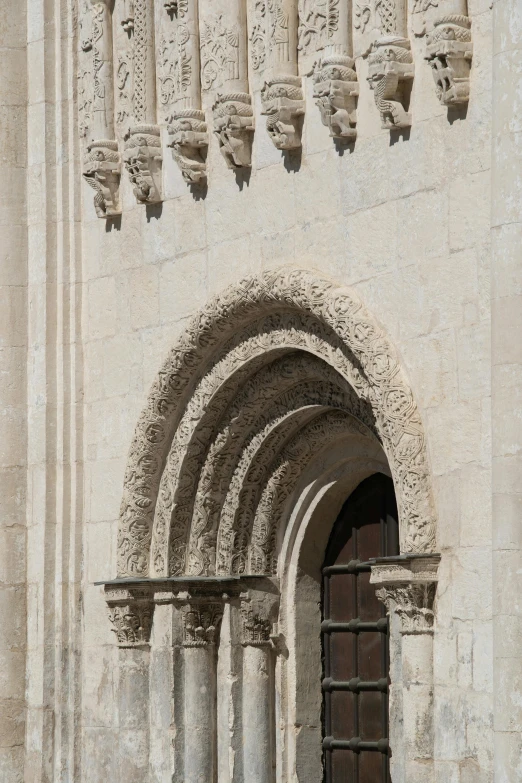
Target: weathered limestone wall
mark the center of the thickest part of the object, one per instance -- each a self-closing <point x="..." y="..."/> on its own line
<point x="402" y="218"/>
<point x="13" y="353"/>
<point x="506" y="370"/>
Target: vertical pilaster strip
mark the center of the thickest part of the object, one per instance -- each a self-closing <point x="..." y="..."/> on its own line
<point x="258" y="695"/>
<point x="13" y="389"/>
<point x="102" y="164"/>
<point x="201" y="625"/>
<point x="407" y="586"/>
<point x="506" y="361"/>
<point x="142" y="156"/>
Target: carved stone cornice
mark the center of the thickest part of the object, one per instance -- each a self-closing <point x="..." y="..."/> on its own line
<point x="390" y="67"/>
<point x="233" y="127"/>
<point x="143" y="161"/>
<point x="130" y="611"/>
<point x="188" y="139"/>
<point x="335" y="91"/>
<point x="102" y="171"/>
<point x="407" y="585"/>
<point x="449" y="51"/>
<point x="284" y="107"/>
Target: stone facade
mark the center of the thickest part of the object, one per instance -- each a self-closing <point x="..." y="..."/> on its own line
<point x="302" y="266"/>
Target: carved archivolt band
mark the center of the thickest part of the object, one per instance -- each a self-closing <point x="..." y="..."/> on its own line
<point x="192" y="433"/>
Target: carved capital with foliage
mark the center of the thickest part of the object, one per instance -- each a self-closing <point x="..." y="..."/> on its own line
<point x="188" y="139"/>
<point x="256" y="626"/>
<point x="335" y="93"/>
<point x="284" y="107"/>
<point x="201" y="620"/>
<point x="407" y="586"/>
<point x="130" y="612"/>
<point x="449" y="51"/>
<point x="143" y="161"/>
<point x="233" y="127"/>
<point x="390" y="71"/>
<point x="102" y="171"/>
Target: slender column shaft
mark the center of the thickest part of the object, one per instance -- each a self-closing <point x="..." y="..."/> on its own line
<point x="144" y="62"/>
<point x="417" y="702"/>
<point x="103" y="99"/>
<point x="133" y="703"/>
<point x="257" y="714"/>
<point x="200" y="714"/>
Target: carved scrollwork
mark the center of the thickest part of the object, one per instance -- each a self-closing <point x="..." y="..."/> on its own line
<point x="295" y="310"/>
<point x="412" y="603"/>
<point x="233" y="128"/>
<point x="102" y="171"/>
<point x="390" y="68"/>
<point x="143" y="161"/>
<point x="188" y="139"/>
<point x="219" y="53"/>
<point x="318" y="21"/>
<point x="335" y="91"/>
<point x="284" y="107"/>
<point x="449" y="51"/>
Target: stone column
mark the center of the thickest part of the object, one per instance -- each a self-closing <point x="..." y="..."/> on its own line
<point x="142" y="156"/>
<point x="335" y="79"/>
<point x="506" y="361"/>
<point x="201" y="623"/>
<point x="180" y="89"/>
<point x="102" y="164"/>
<point x="282" y="94"/>
<point x="130" y="612"/>
<point x="258" y="695"/>
<point x="406" y="585"/>
<point x="224" y="68"/>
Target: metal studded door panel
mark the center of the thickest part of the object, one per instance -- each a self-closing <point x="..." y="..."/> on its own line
<point x="355" y="638"/>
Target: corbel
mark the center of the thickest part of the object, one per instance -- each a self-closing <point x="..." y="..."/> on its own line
<point x="449" y="51"/>
<point x="335" y="92"/>
<point x="284" y="107"/>
<point x="143" y="160"/>
<point x="102" y="171"/>
<point x="233" y="127"/>
<point x="390" y="70"/>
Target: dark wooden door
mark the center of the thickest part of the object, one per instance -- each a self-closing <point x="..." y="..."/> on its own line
<point x="355" y="637"/>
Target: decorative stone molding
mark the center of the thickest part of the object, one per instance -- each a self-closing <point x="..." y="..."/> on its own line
<point x="390" y="68"/>
<point x="102" y="171"/>
<point x="318" y="22"/>
<point x="233" y="128"/>
<point x="143" y="161"/>
<point x="201" y="621"/>
<point x="406" y="585"/>
<point x="188" y="139"/>
<point x="449" y="51"/>
<point x="130" y="612"/>
<point x="335" y="91"/>
<point x="227" y="343"/>
<point x="284" y="107"/>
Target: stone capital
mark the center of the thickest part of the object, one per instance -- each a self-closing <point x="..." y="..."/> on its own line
<point x="406" y="585"/>
<point x="201" y="620"/>
<point x="130" y="612"/>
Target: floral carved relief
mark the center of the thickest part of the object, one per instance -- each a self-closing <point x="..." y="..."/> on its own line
<point x="338" y="330"/>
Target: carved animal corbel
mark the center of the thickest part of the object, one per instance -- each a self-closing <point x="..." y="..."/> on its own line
<point x="143" y="161"/>
<point x="127" y="21"/>
<point x="102" y="171"/>
<point x="390" y="67"/>
<point x="283" y="105"/>
<point x="449" y="51"/>
<point x="335" y="91"/>
<point x="233" y="127"/>
<point x="188" y="139"/>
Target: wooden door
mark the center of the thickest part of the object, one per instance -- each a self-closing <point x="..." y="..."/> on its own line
<point x="355" y="637"/>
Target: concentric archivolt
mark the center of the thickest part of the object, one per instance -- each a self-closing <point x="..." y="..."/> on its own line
<point x="242" y="383"/>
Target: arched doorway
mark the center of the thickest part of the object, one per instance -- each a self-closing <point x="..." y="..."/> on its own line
<point x="354" y="632"/>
